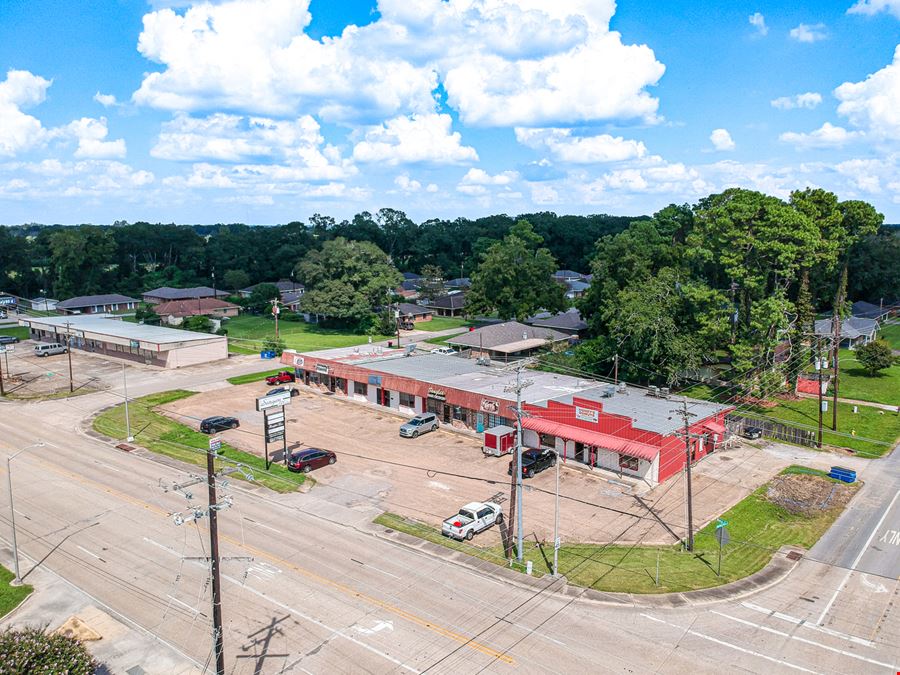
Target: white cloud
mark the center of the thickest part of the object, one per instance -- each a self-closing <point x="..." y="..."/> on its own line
<point x="864" y="173"/>
<point x="90" y="178"/>
<point x="417" y="138"/>
<point x="721" y="140"/>
<point x="809" y="32"/>
<point x="501" y="62"/>
<point x="874" y="103"/>
<point x="407" y="184"/>
<point x="568" y="147"/>
<point x="808" y="100"/>
<point x="106" y="100"/>
<point x="826" y="136"/>
<point x="19" y="131"/>
<point x="481" y="177"/>
<point x="91" y="134"/>
<point x="432" y="187"/>
<point x="871" y="7"/>
<point x="758" y="21"/>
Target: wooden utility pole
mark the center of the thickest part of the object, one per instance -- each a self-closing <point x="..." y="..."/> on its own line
<point x="276" y="310"/>
<point x="686" y="416"/>
<point x="836" y="324"/>
<point x="616" y="369"/>
<point x="218" y="637"/>
<point x="820" y="368"/>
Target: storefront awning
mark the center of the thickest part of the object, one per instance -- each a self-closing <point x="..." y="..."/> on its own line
<point x="715" y="427"/>
<point x="621" y="445"/>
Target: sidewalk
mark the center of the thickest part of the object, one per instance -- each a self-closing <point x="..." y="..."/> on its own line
<point x="853" y="401"/>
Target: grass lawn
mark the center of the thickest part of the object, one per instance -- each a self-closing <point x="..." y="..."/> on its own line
<point x="856" y="384"/>
<point x="255" y="377"/>
<point x="442" y="323"/>
<point x="246" y="333"/>
<point x="20" y="332"/>
<point x="891" y="334"/>
<point x="167" y="437"/>
<point x="757" y="528"/>
<point x="11" y="596"/>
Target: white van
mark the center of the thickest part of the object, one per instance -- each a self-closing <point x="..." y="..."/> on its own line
<point x="49" y="349"/>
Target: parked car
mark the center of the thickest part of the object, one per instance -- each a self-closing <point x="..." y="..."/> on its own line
<point x="752" y="433"/>
<point x="472" y="519"/>
<point x="310" y="458"/>
<point x="534" y="461"/>
<point x="420" y="424"/>
<point x="218" y="423"/>
<point x="49" y="349"/>
<point x="281" y="390"/>
<point x="281" y="378"/>
<point x="8" y="339"/>
<point x="2" y="314"/>
<point x="443" y="350"/>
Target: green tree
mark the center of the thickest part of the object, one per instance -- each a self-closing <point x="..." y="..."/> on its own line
<point x="31" y="650"/>
<point x="80" y="257"/>
<point x="198" y="324"/>
<point x="261" y="297"/>
<point x="146" y="313"/>
<point x="513" y="277"/>
<point x="875" y="356"/>
<point x="235" y="280"/>
<point x="345" y="280"/>
<point x="431" y="285"/>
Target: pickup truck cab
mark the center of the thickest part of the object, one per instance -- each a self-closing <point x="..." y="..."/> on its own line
<point x="472" y="519"/>
<point x="283" y="377"/>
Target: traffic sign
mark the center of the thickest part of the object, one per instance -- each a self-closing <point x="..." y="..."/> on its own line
<point x="722" y="536"/>
<point x="215" y="443"/>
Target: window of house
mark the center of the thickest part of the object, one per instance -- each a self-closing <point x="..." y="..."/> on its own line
<point x="629" y="463"/>
<point x="360" y="388"/>
<point x="407" y="400"/>
<point x="548" y="440"/>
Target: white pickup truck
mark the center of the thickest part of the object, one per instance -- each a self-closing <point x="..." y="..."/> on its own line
<point x="472" y="519"/>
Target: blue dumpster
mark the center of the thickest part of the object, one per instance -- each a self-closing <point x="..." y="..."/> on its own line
<point x="842" y="474"/>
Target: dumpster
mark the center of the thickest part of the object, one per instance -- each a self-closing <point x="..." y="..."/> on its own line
<point x="499" y="441"/>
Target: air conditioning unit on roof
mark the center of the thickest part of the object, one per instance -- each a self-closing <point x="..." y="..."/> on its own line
<point x="653" y="391"/>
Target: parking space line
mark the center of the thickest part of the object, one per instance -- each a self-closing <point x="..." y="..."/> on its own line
<point x="738" y="648"/>
<point x="774" y="631"/>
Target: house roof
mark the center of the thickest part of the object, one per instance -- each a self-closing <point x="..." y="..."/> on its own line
<point x="508" y="337"/>
<point x="192" y="307"/>
<point x="291" y="298"/>
<point x="410" y="285"/>
<point x="851" y="327"/>
<point x="283" y="286"/>
<point x="95" y="300"/>
<point x="567" y="274"/>
<point x="577" y="286"/>
<point x="568" y="320"/>
<point x="409" y="309"/>
<point x="462" y="282"/>
<point x="410" y="276"/>
<point x="455" y="301"/>
<point x="169" y="293"/>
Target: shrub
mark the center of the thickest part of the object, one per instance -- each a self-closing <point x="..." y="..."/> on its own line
<point x="875" y="356"/>
<point x="32" y="650"/>
<point x="273" y="345"/>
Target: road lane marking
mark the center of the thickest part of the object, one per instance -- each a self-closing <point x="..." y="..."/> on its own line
<point x="858" y="558"/>
<point x="93" y="555"/>
<point x="192" y="610"/>
<point x="806" y="624"/>
<point x="836" y="650"/>
<point x="531" y="631"/>
<point x="348" y="590"/>
<point x="717" y="641"/>
<point x="259" y="524"/>
<point x="372" y="567"/>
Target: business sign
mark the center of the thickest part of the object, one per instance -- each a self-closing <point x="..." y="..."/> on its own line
<point x="437" y="394"/>
<point x="375" y="380"/>
<point x="490" y="407"/>
<point x="7" y="348"/>
<point x="322" y="368"/>
<point x="298" y="360"/>
<point x="587" y="415"/>
<point x="273" y="401"/>
<point x="7" y="300"/>
<point x="276" y="417"/>
<point x="215" y="443"/>
<point x="134" y="344"/>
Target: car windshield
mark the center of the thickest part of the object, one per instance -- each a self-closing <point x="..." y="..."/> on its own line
<point x="416" y="421"/>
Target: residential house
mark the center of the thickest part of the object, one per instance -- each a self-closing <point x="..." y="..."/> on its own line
<point x="284" y="287"/>
<point x="291" y="300"/>
<point x="408" y="289"/>
<point x="97" y="304"/>
<point x="576" y="289"/>
<point x="510" y="339"/>
<point x="411" y="314"/>
<point x="448" y="305"/>
<point x="166" y="293"/>
<point x="855" y="331"/>
<point x="175" y="311"/>
<point x="569" y="322"/>
<point x="460" y="284"/>
<point x="44" y="304"/>
<point x="562" y="276"/>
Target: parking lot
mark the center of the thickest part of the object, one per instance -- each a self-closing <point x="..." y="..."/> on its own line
<point x="430" y="477"/>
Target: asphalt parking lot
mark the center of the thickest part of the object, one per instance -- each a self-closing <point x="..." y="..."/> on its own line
<point x="430" y="477"/>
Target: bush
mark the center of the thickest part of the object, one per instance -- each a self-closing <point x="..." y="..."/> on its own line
<point x="198" y="324"/>
<point x="31" y="650"/>
<point x="273" y="345"/>
<point x="875" y="356"/>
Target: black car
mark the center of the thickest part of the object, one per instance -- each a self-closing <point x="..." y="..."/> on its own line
<point x="8" y="339"/>
<point x="534" y="461"/>
<point x="278" y="390"/>
<point x="218" y="423"/>
<point x="752" y="433"/>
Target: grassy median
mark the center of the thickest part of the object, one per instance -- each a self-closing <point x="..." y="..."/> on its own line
<point x="165" y="436"/>
<point x="758" y="526"/>
<point x="11" y="596"/>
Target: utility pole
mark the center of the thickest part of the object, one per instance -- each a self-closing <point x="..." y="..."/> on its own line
<point x="820" y="369"/>
<point x="836" y="322"/>
<point x="519" y="386"/>
<point x="556" y="524"/>
<point x="397" y="321"/>
<point x="69" y="354"/>
<point x="616" y="369"/>
<point x="2" y="393"/>
<point x="686" y="416"/>
<point x="128" y="436"/>
<point x="218" y="638"/>
<point x="276" y="310"/>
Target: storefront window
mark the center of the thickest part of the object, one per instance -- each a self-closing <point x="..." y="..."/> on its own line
<point x="629" y="463"/>
<point x="407" y="400"/>
<point x="360" y="388"/>
<point x="548" y="440"/>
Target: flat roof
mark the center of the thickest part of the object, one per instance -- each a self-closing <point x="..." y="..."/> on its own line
<point x="105" y="326"/>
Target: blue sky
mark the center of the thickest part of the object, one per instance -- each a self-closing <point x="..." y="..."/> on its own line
<point x="266" y="111"/>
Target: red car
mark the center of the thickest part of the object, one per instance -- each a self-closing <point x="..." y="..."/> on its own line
<point x="280" y="378"/>
<point x="310" y="458"/>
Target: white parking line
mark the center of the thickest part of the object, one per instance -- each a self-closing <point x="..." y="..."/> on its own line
<point x="804" y="640"/>
<point x="858" y="558"/>
<point x="802" y="622"/>
<point x="781" y="662"/>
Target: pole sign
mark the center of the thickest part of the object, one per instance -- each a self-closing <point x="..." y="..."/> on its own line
<point x="722" y="536"/>
<point x="215" y="443"/>
<point x="7" y="348"/>
<point x="278" y="400"/>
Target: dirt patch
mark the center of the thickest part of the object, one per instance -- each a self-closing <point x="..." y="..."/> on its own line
<point x="808" y="495"/>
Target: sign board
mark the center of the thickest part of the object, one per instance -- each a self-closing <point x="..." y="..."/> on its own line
<point x="322" y="368"/>
<point x="215" y="443"/>
<point x="276" y="310"/>
<point x="7" y="348"/>
<point x="722" y="536"/>
<point x="274" y="418"/>
<point x="298" y="360"/>
<point x="134" y="344"/>
<point x="273" y="401"/>
<point x="437" y="394"/>
<point x="488" y="406"/>
<point x="375" y="380"/>
<point x="7" y="300"/>
<point x="587" y="415"/>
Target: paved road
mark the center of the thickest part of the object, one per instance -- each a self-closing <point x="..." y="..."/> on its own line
<point x="310" y="588"/>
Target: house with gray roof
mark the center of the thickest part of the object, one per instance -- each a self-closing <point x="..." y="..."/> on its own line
<point x="284" y="287"/>
<point x="448" y="305"/>
<point x="510" y="339"/>
<point x="855" y="331"/>
<point x="97" y="304"/>
<point x="569" y="322"/>
<point x="167" y="293"/>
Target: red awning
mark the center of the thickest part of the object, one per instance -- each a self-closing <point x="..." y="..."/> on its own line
<point x="715" y="427"/>
<point x="621" y="445"/>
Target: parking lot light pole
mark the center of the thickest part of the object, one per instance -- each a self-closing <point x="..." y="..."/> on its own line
<point x="12" y="511"/>
<point x="128" y="436"/>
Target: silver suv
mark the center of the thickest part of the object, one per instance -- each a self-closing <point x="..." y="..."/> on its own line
<point x="420" y="424"/>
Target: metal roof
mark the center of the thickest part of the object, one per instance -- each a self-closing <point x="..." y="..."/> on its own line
<point x="104" y="326"/>
<point x="95" y="300"/>
<point x="510" y="336"/>
<point x="851" y="327"/>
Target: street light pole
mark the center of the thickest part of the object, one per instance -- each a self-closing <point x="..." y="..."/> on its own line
<point x="128" y="436"/>
<point x="12" y="510"/>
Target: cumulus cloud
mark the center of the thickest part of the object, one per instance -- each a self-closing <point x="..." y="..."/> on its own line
<point x="407" y="184"/>
<point x="826" y="136"/>
<point x="808" y="100"/>
<point x="92" y="144"/>
<point x="809" y="32"/>
<point x="106" y="100"/>
<point x="758" y="21"/>
<point x="567" y="146"/>
<point x="501" y="62"/>
<point x="18" y="130"/>
<point x="721" y="140"/>
<point x="417" y="138"/>
<point x="874" y="103"/>
<point x="477" y="182"/>
<point x="871" y="7"/>
<point x="90" y="178"/>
